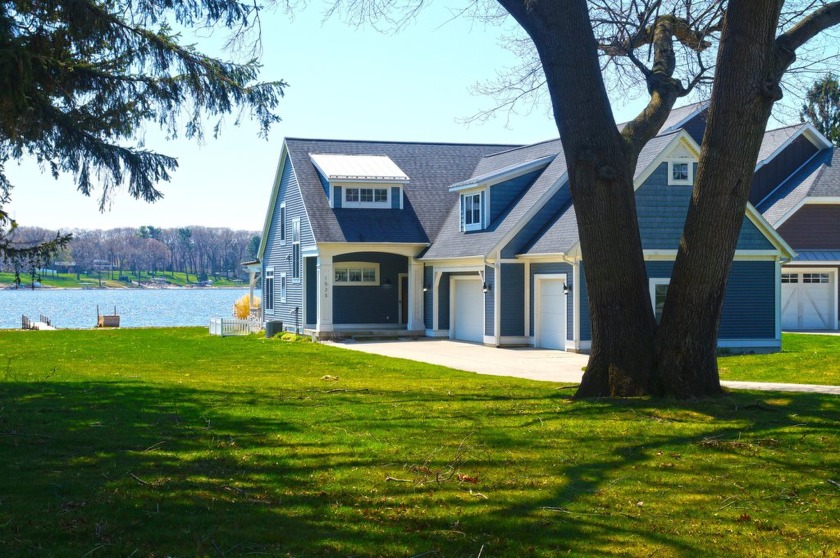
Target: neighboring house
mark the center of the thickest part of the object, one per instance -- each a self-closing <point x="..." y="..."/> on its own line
<point x="479" y="242"/>
<point x="797" y="189"/>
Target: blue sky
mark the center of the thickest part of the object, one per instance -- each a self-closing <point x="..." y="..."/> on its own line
<point x="345" y="83"/>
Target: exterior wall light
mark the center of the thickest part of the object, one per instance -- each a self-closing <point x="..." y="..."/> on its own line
<point x="566" y="289"/>
<point x="486" y="287"/>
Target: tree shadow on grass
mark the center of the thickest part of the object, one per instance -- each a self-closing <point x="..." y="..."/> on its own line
<point x="122" y="468"/>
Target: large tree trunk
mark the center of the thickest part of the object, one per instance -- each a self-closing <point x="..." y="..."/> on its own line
<point x="745" y="89"/>
<point x="600" y="166"/>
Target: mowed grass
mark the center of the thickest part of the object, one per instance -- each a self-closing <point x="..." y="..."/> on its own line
<point x="804" y="359"/>
<point x="109" y="280"/>
<point x="170" y="442"/>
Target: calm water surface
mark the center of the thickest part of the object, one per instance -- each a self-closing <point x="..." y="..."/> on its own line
<point x="76" y="308"/>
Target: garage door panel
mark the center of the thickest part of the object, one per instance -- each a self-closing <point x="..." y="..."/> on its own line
<point x="807" y="305"/>
<point x="551" y="308"/>
<point x="468" y="312"/>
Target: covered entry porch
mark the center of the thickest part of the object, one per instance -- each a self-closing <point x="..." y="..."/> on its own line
<point x="363" y="290"/>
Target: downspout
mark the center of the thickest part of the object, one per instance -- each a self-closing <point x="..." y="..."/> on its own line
<point x="497" y="299"/>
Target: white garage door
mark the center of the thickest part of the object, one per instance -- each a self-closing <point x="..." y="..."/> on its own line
<point x="468" y="314"/>
<point x="808" y="301"/>
<point x="550" y="327"/>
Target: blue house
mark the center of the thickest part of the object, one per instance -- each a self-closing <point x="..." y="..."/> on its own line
<point x="479" y="242"/>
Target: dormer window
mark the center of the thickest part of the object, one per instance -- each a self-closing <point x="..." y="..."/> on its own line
<point x="366" y="197"/>
<point x="360" y="181"/>
<point x="680" y="173"/>
<point x="472" y="209"/>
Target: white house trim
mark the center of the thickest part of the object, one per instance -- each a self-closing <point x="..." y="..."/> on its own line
<point x="502" y="175"/>
<point x="681" y="139"/>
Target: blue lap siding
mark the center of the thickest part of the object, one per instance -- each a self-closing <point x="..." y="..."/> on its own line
<point x="513" y="297"/>
<point x="278" y="255"/>
<point x="662" y="210"/>
<point x="428" y="297"/>
<point x="502" y="195"/>
<point x="489" y="299"/>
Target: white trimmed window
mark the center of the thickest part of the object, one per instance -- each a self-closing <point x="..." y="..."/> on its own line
<point x="356" y="274"/>
<point x="283" y="287"/>
<point x="790" y="278"/>
<point x="296" y="251"/>
<point x="367" y="197"/>
<point x="471" y="211"/>
<point x="680" y="173"/>
<point x="283" y="223"/>
<point x="658" y="292"/>
<point x="268" y="289"/>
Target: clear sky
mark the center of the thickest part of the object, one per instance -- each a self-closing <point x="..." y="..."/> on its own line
<point x="345" y="83"/>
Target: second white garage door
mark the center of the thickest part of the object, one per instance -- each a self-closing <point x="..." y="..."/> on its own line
<point x="550" y="318"/>
<point x="808" y="301"/>
<point x="468" y="310"/>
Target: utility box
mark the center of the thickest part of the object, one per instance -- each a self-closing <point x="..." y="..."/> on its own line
<point x="272" y="328"/>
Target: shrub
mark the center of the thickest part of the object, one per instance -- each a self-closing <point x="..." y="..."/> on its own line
<point x="241" y="308"/>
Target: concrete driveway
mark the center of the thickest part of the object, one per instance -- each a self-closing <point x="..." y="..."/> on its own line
<point x="525" y="362"/>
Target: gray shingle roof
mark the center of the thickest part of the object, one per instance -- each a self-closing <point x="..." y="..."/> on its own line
<point x="452" y="243"/>
<point x="819" y="177"/>
<point x="432" y="168"/>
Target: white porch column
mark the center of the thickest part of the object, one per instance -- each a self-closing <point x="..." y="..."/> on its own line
<point x="325" y="291"/>
<point x="415" y="296"/>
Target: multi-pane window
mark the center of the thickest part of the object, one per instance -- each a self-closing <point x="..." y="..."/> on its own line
<point x="365" y="196"/>
<point x="815" y="277"/>
<point x="296" y="251"/>
<point x="268" y="289"/>
<point x="471" y="212"/>
<point x="356" y="274"/>
<point x="680" y="173"/>
<point x="790" y="278"/>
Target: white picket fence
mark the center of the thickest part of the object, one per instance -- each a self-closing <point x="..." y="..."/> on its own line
<point x="233" y="326"/>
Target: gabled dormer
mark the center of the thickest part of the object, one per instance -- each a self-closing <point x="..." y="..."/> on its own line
<point x="483" y="198"/>
<point x="360" y="181"/>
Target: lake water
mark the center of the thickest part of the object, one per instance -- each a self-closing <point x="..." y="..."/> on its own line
<point x="76" y="308"/>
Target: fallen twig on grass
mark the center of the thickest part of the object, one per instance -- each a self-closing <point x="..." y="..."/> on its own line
<point x="835" y="483"/>
<point x="154" y="446"/>
<point x="138" y="479"/>
<point x="393" y="479"/>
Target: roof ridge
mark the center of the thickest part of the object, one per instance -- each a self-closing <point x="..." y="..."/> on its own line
<point x="394" y="142"/>
<point x="518" y="147"/>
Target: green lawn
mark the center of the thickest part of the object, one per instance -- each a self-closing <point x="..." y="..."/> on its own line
<point x="171" y="442"/>
<point x="805" y="359"/>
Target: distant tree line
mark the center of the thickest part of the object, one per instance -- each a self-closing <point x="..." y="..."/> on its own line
<point x="200" y="252"/>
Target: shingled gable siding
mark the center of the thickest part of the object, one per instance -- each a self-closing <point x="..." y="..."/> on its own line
<point x="547" y="269"/>
<point x="370" y="305"/>
<point x="538" y="222"/>
<point x="782" y="166"/>
<point x="662" y="210"/>
<point x="513" y="295"/>
<point x="813" y="227"/>
<point x="489" y="300"/>
<point x="275" y="253"/>
<point x="503" y="194"/>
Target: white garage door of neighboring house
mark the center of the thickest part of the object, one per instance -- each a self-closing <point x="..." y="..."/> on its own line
<point x="550" y="318"/>
<point x="808" y="300"/>
<point x="468" y="310"/>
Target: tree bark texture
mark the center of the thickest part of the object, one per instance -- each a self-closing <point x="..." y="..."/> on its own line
<point x="746" y="86"/>
<point x="600" y="166"/>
